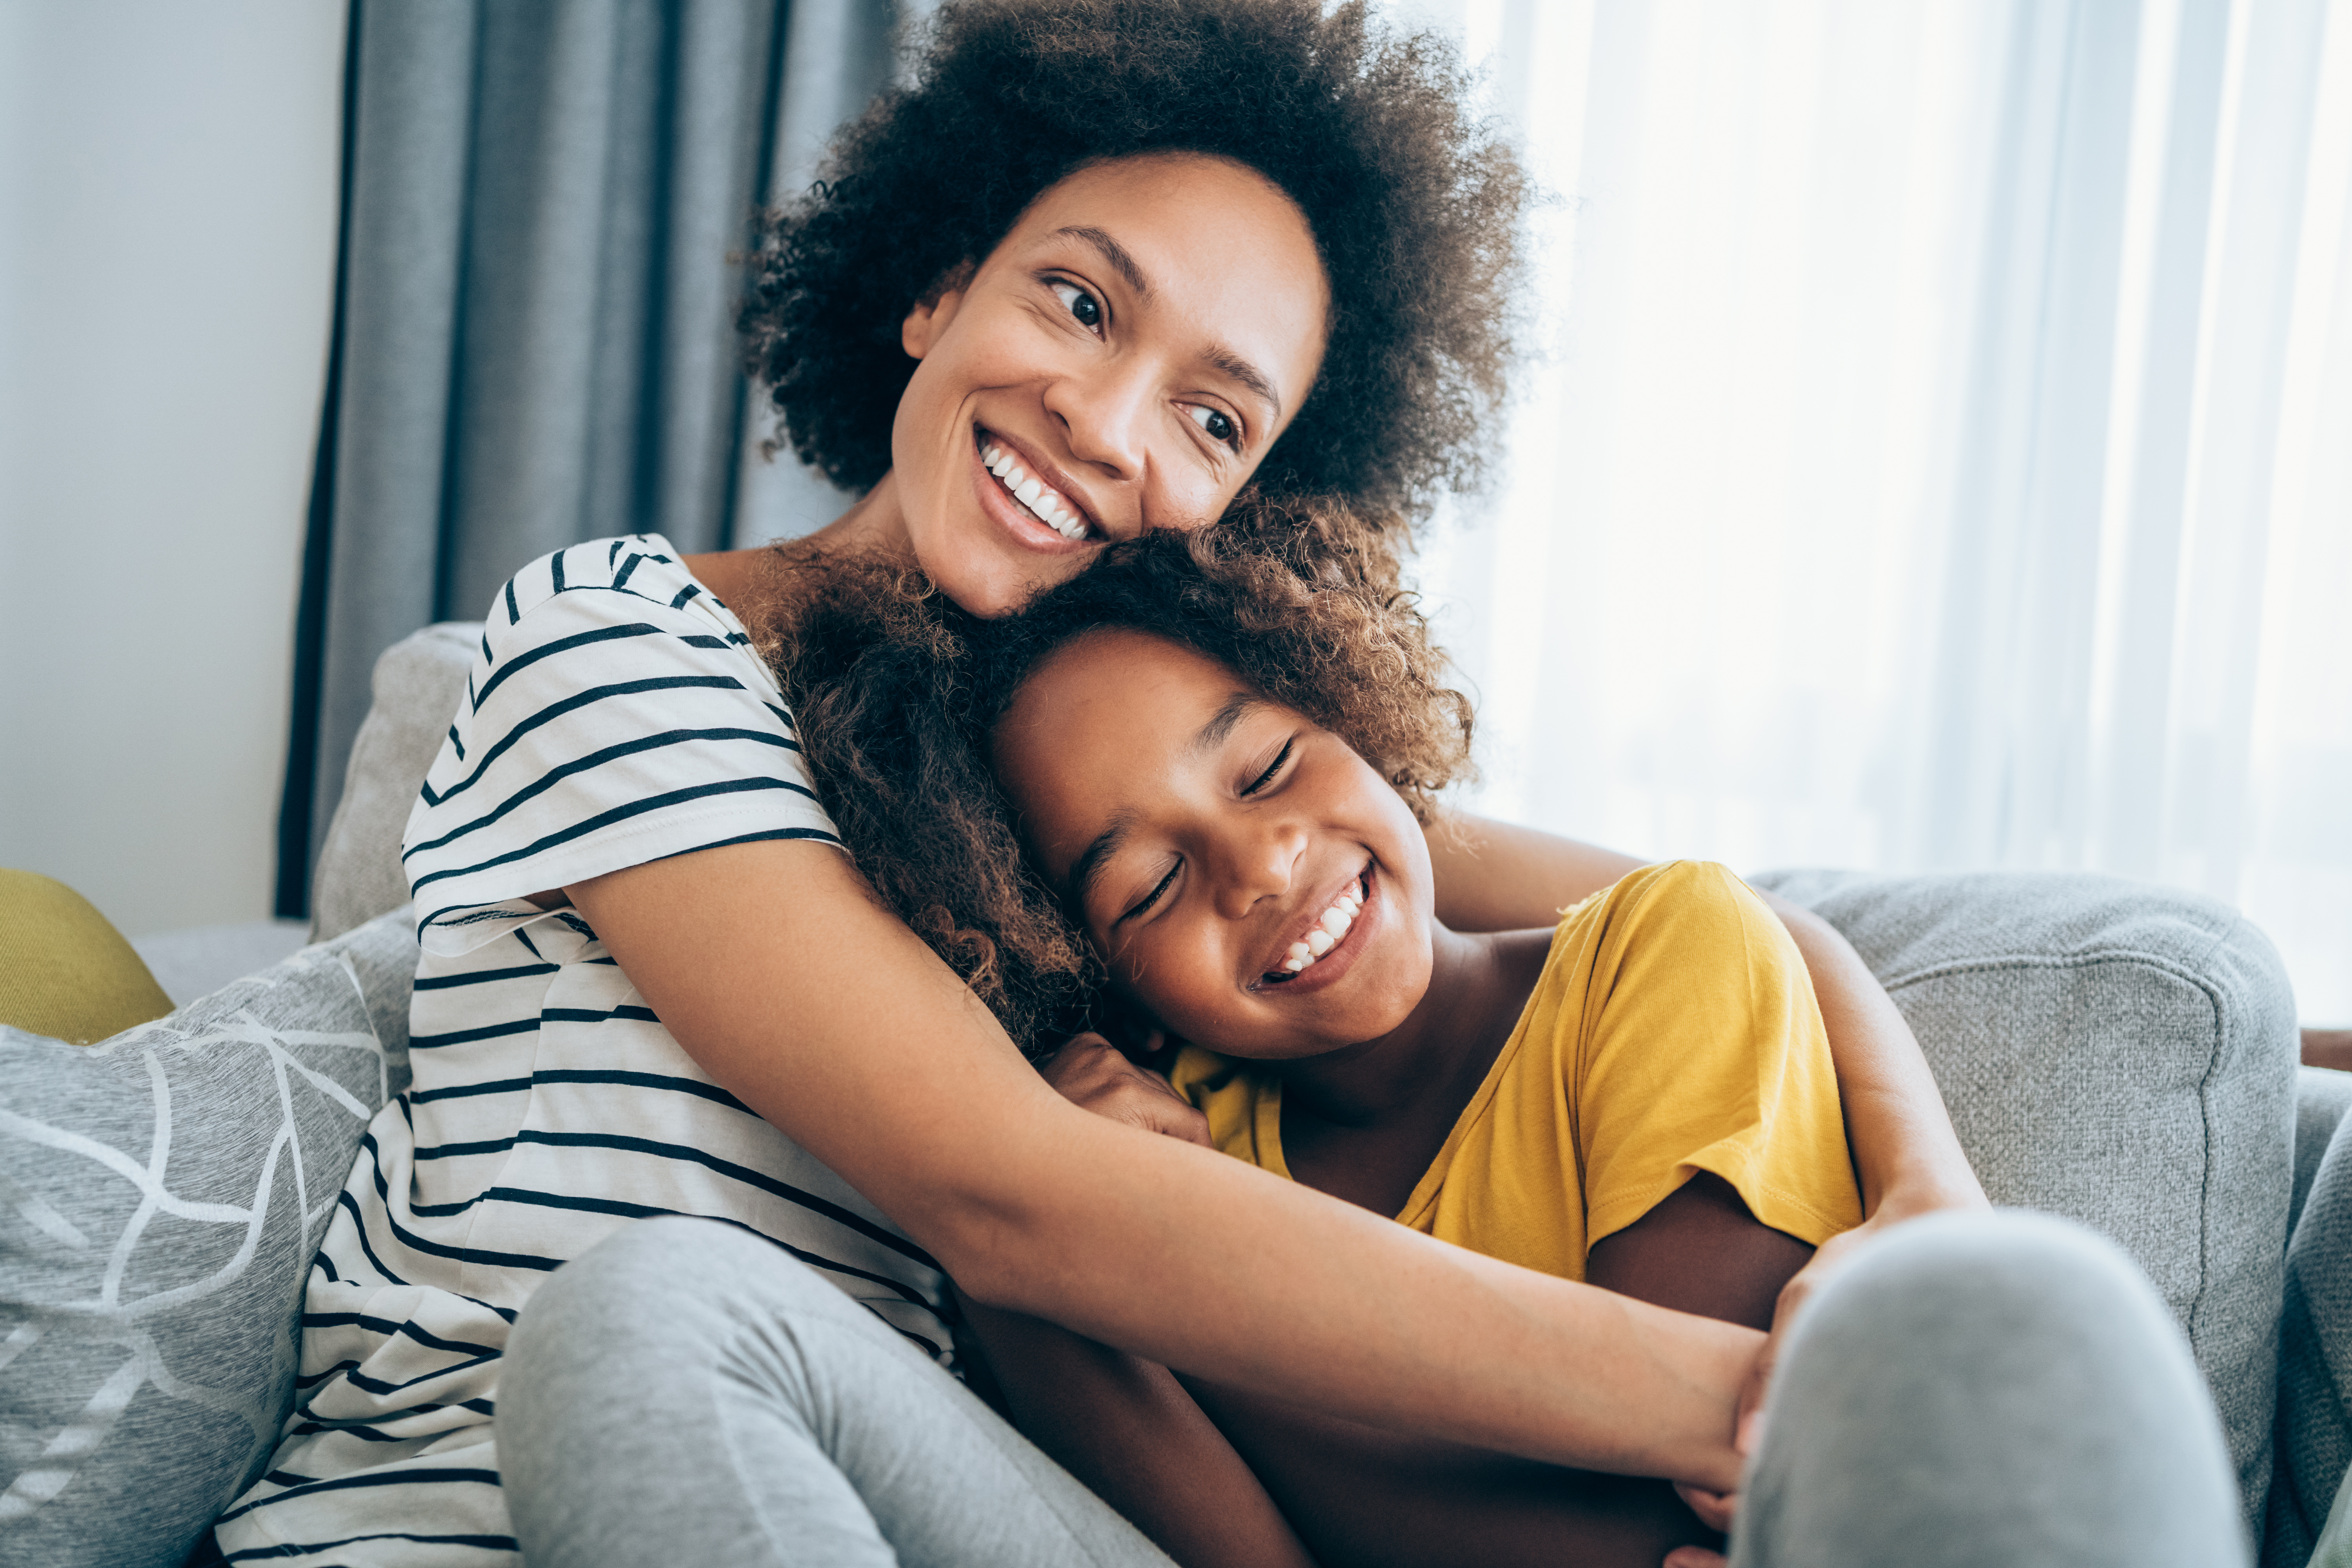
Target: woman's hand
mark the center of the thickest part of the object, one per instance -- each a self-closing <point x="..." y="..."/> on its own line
<point x="1748" y="1432"/>
<point x="1091" y="1073"/>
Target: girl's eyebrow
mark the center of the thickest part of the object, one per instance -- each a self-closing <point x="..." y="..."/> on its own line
<point x="1221" y="724"/>
<point x="1088" y="867"/>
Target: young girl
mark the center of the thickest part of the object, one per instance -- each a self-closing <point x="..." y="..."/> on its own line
<point x="1102" y="265"/>
<point x="1197" y="778"/>
<point x="1642" y="1097"/>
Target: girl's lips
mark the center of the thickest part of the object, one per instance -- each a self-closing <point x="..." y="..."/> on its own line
<point x="1025" y="527"/>
<point x="1328" y="969"/>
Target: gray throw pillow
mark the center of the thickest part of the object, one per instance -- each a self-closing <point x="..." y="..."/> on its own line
<point x="162" y="1194"/>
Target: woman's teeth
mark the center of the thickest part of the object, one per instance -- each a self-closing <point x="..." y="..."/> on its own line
<point x="1327" y="931"/>
<point x="1043" y="504"/>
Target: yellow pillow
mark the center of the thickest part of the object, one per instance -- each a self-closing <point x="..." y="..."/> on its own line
<point x="64" y="971"/>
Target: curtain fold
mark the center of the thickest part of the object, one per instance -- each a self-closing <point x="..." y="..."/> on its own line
<point x="535" y="326"/>
<point x="1939" y="458"/>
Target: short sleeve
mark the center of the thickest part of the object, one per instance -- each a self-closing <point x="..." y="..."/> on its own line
<point x="603" y="727"/>
<point x="1705" y="1052"/>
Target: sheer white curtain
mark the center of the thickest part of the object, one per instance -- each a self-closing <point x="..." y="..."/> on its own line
<point x="1942" y="451"/>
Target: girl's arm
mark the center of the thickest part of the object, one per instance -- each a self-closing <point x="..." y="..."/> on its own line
<point x="780" y="974"/>
<point x="1497" y="876"/>
<point x="1127" y="1429"/>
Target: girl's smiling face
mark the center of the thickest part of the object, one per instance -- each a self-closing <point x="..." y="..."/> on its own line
<point x="1134" y="344"/>
<point x="1204" y="834"/>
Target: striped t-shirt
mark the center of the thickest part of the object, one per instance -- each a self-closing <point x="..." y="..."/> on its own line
<point x="615" y="714"/>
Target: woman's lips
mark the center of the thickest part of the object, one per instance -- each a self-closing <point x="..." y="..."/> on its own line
<point x="998" y="502"/>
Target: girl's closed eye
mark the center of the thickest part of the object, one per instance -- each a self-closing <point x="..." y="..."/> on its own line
<point x="1151" y="898"/>
<point x="1273" y="768"/>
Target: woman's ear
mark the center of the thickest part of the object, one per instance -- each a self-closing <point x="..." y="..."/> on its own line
<point x="935" y="310"/>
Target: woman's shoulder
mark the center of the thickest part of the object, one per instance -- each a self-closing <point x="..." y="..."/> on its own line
<point x="616" y="712"/>
<point x="635" y="580"/>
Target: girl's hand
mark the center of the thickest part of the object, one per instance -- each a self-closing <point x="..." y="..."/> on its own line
<point x="1090" y="1073"/>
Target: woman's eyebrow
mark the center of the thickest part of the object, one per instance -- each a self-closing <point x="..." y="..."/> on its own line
<point x="1224" y="359"/>
<point x="1116" y="254"/>
<point x="1248" y="374"/>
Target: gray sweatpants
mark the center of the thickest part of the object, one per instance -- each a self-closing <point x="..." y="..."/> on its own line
<point x="1979" y="1390"/>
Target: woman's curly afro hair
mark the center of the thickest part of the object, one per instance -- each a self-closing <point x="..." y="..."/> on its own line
<point x="1414" y="205"/>
<point x="895" y="691"/>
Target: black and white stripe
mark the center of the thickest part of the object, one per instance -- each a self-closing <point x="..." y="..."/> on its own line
<point x="616" y="714"/>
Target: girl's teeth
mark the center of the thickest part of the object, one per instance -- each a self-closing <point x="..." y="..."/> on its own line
<point x="1327" y="932"/>
<point x="1028" y="491"/>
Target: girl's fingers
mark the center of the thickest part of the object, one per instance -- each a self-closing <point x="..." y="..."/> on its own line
<point x="1092" y="1074"/>
<point x="1713" y="1509"/>
<point x="1694" y="1557"/>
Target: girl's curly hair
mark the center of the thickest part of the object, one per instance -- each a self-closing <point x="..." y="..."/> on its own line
<point x="895" y="691"/>
<point x="1412" y="202"/>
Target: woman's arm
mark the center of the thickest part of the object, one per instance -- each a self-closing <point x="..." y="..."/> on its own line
<point x="1497" y="876"/>
<point x="779" y="972"/>
<point x="1127" y="1429"/>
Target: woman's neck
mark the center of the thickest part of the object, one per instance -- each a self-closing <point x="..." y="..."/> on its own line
<point x="761" y="588"/>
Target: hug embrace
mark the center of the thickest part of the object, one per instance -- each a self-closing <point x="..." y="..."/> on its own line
<point x="975" y="1039"/>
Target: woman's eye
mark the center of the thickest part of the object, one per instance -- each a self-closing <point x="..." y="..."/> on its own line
<point x="1080" y="305"/>
<point x="1216" y="423"/>
<point x="1153" y="897"/>
<point x="1273" y="768"/>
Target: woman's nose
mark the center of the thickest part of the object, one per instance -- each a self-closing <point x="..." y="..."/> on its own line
<point x="1104" y="415"/>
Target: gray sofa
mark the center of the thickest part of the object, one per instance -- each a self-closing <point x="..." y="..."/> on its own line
<point x="2117" y="1052"/>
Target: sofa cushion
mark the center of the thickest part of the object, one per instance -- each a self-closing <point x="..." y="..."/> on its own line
<point x="417" y="684"/>
<point x="162" y="1194"/>
<point x="2118" y="1053"/>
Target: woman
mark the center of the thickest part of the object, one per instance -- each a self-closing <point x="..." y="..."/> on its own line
<point x="1156" y="252"/>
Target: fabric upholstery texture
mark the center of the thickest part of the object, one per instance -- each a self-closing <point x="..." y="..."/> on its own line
<point x="162" y="1194"/>
<point x="419" y="681"/>
<point x="2120" y="1054"/>
<point x="2314" y="1393"/>
<point x="64" y="971"/>
<point x="2322" y="1096"/>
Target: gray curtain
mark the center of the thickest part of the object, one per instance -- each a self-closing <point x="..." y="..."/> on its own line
<point x="534" y="336"/>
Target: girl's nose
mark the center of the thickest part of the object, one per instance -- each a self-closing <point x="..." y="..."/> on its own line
<point x="1257" y="861"/>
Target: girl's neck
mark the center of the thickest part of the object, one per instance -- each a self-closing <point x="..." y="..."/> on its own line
<point x="1428" y="1067"/>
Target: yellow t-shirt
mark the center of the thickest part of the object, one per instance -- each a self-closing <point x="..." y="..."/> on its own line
<point x="1673" y="1030"/>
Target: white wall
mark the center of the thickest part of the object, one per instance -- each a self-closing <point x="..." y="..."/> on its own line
<point x="168" y="202"/>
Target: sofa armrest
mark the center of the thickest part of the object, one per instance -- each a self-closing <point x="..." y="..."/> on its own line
<point x="417" y="685"/>
<point x="2118" y="1053"/>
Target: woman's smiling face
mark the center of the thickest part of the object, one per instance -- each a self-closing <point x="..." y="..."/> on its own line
<point x="1205" y="835"/>
<point x="1134" y="345"/>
